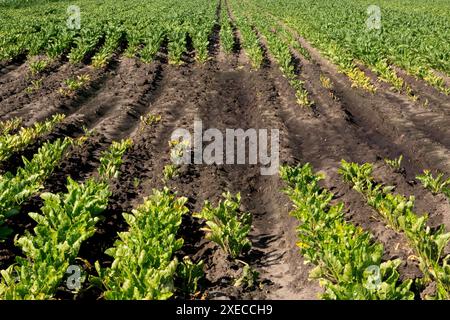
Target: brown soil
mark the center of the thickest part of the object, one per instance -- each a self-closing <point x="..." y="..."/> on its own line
<point x="344" y="123"/>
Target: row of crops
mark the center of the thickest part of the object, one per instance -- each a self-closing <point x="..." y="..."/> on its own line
<point x="89" y="31"/>
<point x="144" y="264"/>
<point x="411" y="35"/>
<point x="257" y="29"/>
<point x="348" y="260"/>
<point x="414" y="40"/>
<point x="65" y="222"/>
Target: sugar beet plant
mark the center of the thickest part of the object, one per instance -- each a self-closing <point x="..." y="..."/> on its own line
<point x="226" y="225"/>
<point x="250" y="41"/>
<point x="226" y="31"/>
<point x="152" y="44"/>
<point x="348" y="261"/>
<point x="395" y="164"/>
<point x="13" y="143"/>
<point x="189" y="274"/>
<point x="85" y="43"/>
<point x="29" y="179"/>
<point x="199" y="30"/>
<point x="177" y="44"/>
<point x="71" y="85"/>
<point x="341" y="58"/>
<point x="436" y="184"/>
<point x="112" y="160"/>
<point x="200" y="41"/>
<point x="398" y="212"/>
<point x="144" y="265"/>
<point x="9" y="126"/>
<point x="37" y="65"/>
<point x="113" y="36"/>
<point x="65" y="222"/>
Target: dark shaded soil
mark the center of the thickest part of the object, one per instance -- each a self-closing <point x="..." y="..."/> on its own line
<point x="21" y="80"/>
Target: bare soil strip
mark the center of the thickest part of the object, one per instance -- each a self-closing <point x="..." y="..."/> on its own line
<point x="21" y="81"/>
<point x="6" y="67"/>
<point x="47" y="100"/>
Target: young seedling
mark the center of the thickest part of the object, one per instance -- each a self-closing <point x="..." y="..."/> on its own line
<point x="88" y="132"/>
<point x="248" y="278"/>
<point x="100" y="60"/>
<point x="178" y="150"/>
<point x="170" y="172"/>
<point x="74" y="84"/>
<point x="435" y="185"/>
<point x="136" y="183"/>
<point x="226" y="225"/>
<point x="149" y="120"/>
<point x="301" y="94"/>
<point x="326" y="82"/>
<point x="38" y="65"/>
<point x="395" y="164"/>
<point x="190" y="273"/>
<point x="35" y="86"/>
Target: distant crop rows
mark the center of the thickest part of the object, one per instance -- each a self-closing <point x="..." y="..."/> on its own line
<point x="414" y="37"/>
<point x="141" y="25"/>
<point x="414" y="40"/>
